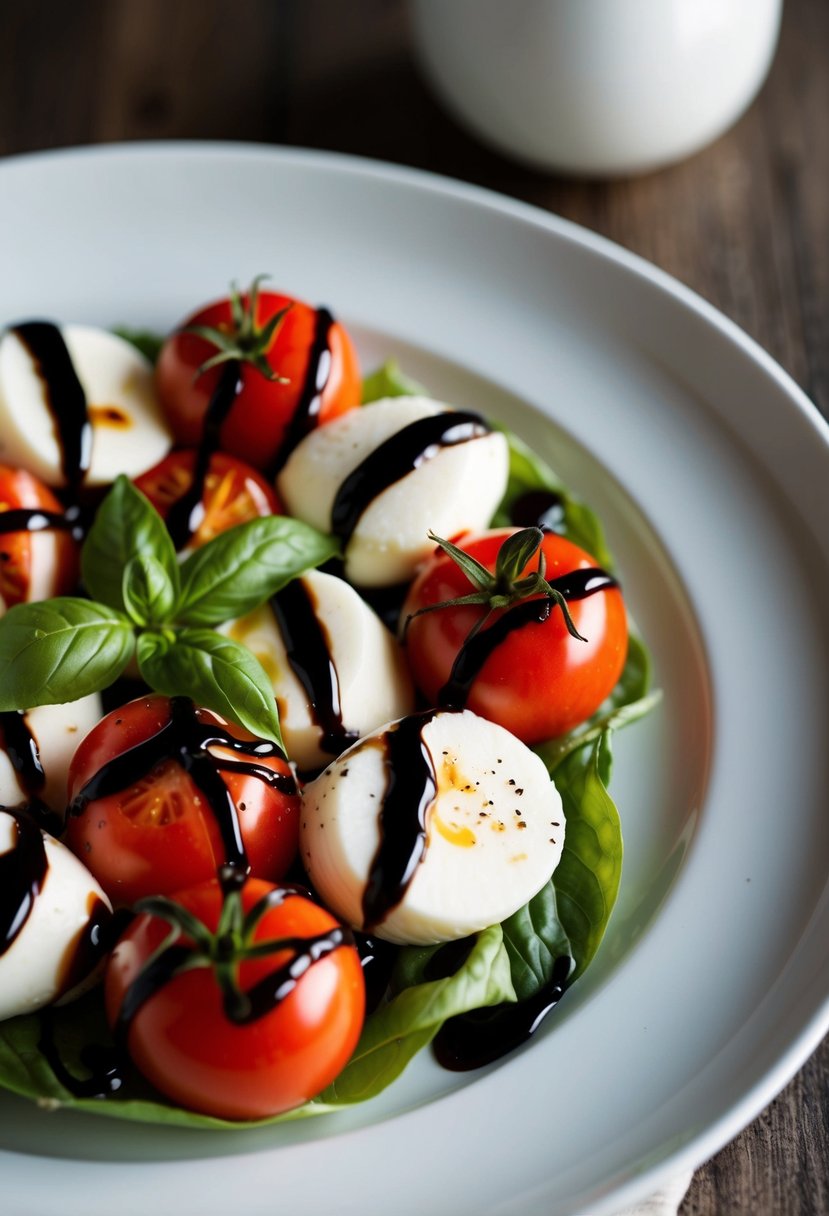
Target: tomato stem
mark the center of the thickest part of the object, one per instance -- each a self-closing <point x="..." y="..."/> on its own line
<point x="505" y="586"/>
<point x="232" y="942"/>
<point x="243" y="340"/>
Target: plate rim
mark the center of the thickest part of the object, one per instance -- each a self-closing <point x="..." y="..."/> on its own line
<point x="741" y="1112"/>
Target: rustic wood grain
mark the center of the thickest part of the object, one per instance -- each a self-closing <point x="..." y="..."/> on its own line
<point x="745" y="223"/>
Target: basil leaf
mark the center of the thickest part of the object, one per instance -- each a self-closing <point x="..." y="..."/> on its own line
<point x="395" y="1032"/>
<point x="126" y="524"/>
<point x="60" y="650"/>
<point x="147" y="591"/>
<point x="240" y="569"/>
<point x="527" y="473"/>
<point x="391" y="1036"/>
<point x="148" y="343"/>
<point x="588" y="875"/>
<point x="26" y="1071"/>
<point x="216" y="672"/>
<point x="534" y="939"/>
<point x="389" y="381"/>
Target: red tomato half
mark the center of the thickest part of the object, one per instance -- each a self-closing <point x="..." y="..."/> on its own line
<point x="539" y="681"/>
<point x="159" y="831"/>
<point x="33" y="565"/>
<point x="258" y="420"/>
<point x="233" y="494"/>
<point x="184" y="1043"/>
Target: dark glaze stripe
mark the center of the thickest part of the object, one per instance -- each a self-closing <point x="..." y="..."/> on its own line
<point x="309" y="655"/>
<point x="186" y="514"/>
<point x="258" y="1001"/>
<point x="538" y="509"/>
<point x="377" y="959"/>
<point x="65" y="396"/>
<point x="102" y="1063"/>
<point x="187" y="740"/>
<point x="306" y="415"/>
<point x="411" y="788"/>
<point x="473" y="654"/>
<point x="33" y="519"/>
<point x="391" y="461"/>
<point x="20" y="746"/>
<point x="90" y="947"/>
<point x="472" y="1040"/>
<point x="279" y="984"/>
<point x="23" y="871"/>
<point x="153" y="976"/>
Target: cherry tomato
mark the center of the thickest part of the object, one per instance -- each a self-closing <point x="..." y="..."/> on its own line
<point x="258" y="420"/>
<point x="183" y="1041"/>
<point x="159" y="831"/>
<point x="233" y="494"/>
<point x="538" y="681"/>
<point x="34" y="565"/>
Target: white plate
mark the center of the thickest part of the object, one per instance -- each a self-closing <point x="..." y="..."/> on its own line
<point x="711" y="470"/>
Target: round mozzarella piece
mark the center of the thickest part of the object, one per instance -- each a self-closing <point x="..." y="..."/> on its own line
<point x="494" y="828"/>
<point x="355" y="667"/>
<point x="41" y="963"/>
<point x="129" y="433"/>
<point x="52" y="732"/>
<point x="454" y="488"/>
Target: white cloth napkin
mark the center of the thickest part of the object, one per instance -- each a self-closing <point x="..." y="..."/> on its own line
<point x="665" y="1202"/>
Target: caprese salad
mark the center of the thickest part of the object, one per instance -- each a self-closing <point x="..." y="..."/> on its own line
<point x="307" y="683"/>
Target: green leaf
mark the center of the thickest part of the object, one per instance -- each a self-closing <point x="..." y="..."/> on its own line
<point x="126" y="524"/>
<point x="147" y="591"/>
<point x="534" y="938"/>
<point x="216" y="672"/>
<point x="395" y="1032"/>
<point x="241" y="568"/>
<point x="148" y="343"/>
<point x="26" y="1071"/>
<point x="391" y="1036"/>
<point x="527" y="473"/>
<point x="60" y="650"/>
<point x="588" y="875"/>
<point x="389" y="381"/>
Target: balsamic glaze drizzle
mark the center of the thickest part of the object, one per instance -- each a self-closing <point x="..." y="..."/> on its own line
<point x="377" y="959"/>
<point x="20" y="745"/>
<point x="306" y="415"/>
<point x="65" y="396"/>
<point x="538" y="509"/>
<point x="309" y="655"/>
<point x="402" y="452"/>
<point x="411" y="787"/>
<point x="103" y="1064"/>
<point x="577" y="585"/>
<point x="23" y="871"/>
<point x="187" y="740"/>
<point x="34" y="519"/>
<point x="186" y="514"/>
<point x="474" y="1039"/>
<point x="256" y="1002"/>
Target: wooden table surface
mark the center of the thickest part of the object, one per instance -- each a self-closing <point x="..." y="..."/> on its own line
<point x="745" y="223"/>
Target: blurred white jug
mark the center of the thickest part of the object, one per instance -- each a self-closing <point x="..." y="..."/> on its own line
<point x="597" y="87"/>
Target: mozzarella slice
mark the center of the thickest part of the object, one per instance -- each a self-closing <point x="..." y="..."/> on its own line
<point x="493" y="820"/>
<point x="453" y="488"/>
<point x="52" y="931"/>
<point x="129" y="433"/>
<point x="54" y="732"/>
<point x="353" y="664"/>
